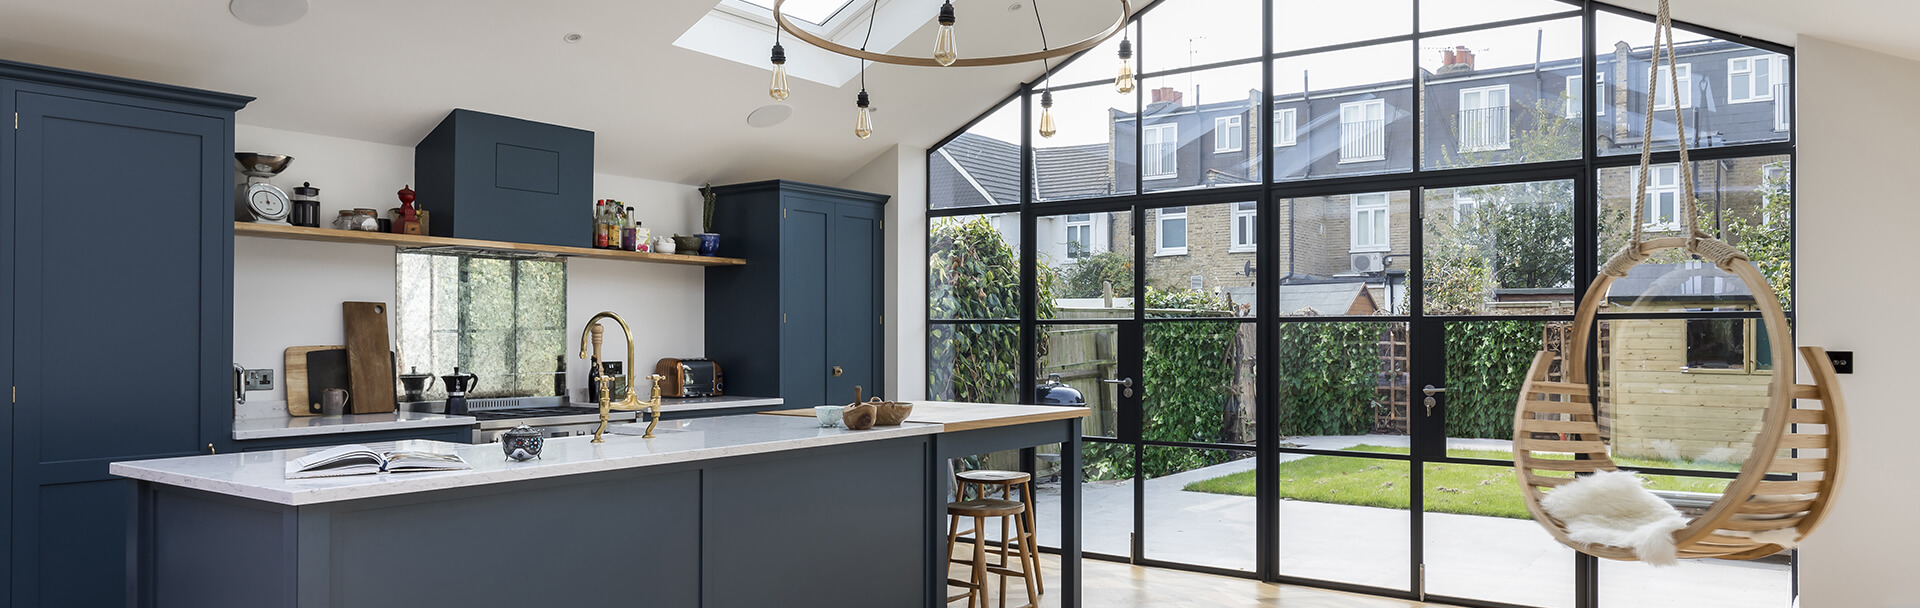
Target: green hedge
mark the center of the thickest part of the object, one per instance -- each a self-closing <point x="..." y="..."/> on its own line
<point x="1486" y="364"/>
<point x="1329" y="374"/>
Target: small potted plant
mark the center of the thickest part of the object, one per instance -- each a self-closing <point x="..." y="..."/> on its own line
<point x="709" y="241"/>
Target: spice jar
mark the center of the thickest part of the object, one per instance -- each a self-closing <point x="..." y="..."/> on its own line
<point x="365" y="219"/>
<point x="344" y="221"/>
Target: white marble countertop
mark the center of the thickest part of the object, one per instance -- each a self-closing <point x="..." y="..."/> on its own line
<point x="261" y="475"/>
<point x="299" y="426"/>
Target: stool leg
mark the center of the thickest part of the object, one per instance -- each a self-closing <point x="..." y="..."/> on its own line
<point x="1029" y="567"/>
<point x="1029" y="546"/>
<point x="979" y="562"/>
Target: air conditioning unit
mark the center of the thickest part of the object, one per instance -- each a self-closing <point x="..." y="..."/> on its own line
<point x="1366" y="262"/>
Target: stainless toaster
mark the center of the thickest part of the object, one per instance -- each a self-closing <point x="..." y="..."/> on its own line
<point x="689" y="377"/>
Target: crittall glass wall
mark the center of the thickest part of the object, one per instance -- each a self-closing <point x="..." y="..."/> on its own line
<point x="1298" y="273"/>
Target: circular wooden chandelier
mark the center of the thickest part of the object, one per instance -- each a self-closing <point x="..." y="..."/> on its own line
<point x="1119" y="23"/>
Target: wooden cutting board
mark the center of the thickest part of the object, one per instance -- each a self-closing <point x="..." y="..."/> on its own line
<point x="309" y="369"/>
<point x="369" y="359"/>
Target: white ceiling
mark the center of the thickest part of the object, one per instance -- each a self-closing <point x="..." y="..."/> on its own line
<point x="388" y="70"/>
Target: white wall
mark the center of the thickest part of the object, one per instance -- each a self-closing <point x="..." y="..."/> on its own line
<point x="1855" y="216"/>
<point x="901" y="172"/>
<point x="288" y="293"/>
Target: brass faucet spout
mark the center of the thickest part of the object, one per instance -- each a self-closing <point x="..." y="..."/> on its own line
<point x="591" y="335"/>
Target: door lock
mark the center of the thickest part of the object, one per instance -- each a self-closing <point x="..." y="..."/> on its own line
<point x="837" y="371"/>
<point x="1126" y="385"/>
<point x="1429" y="402"/>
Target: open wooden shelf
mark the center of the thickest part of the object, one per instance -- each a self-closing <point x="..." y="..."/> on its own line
<point x="407" y="241"/>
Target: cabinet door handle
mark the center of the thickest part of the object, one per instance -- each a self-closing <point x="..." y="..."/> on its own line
<point x="837" y="371"/>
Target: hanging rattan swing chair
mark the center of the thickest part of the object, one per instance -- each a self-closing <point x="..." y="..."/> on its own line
<point x="1773" y="492"/>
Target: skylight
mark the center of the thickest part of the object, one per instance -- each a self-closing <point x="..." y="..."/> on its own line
<point x="816" y="12"/>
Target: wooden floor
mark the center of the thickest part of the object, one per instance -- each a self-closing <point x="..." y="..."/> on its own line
<point x="1114" y="585"/>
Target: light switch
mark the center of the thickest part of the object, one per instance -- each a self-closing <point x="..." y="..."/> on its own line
<point x="1842" y="361"/>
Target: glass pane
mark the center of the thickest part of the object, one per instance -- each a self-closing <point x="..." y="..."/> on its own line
<point x="1198" y="377"/>
<point x="1346" y="519"/>
<point x="1499" y="96"/>
<point x="1207" y="250"/>
<point x="816" y="12"/>
<point x="973" y="267"/>
<point x="1343" y="254"/>
<point x="1106" y="498"/>
<point x="973" y="362"/>
<point x="1082" y="356"/>
<point x="1185" y="34"/>
<point x="1499" y="249"/>
<point x="981" y="166"/>
<point x="1682" y="393"/>
<point x="1092" y="149"/>
<point x="1698" y="583"/>
<point x="1448" y="14"/>
<point x="1716" y="112"/>
<point x="1102" y="63"/>
<point x="1197" y="132"/>
<point x="1481" y="543"/>
<point x="1203" y="514"/>
<point x="1354" y="112"/>
<point x="1486" y="362"/>
<point x="1305" y="24"/>
<point x="1084" y="258"/>
<point x="1342" y="380"/>
<point x="1747" y="202"/>
<point x="504" y="320"/>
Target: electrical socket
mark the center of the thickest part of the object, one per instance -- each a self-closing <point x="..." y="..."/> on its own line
<point x="258" y="379"/>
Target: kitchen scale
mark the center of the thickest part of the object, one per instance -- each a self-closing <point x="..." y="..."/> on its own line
<point x="264" y="202"/>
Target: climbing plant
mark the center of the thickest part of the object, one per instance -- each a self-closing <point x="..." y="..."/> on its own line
<point x="1088" y="277"/>
<point x="1486" y="363"/>
<point x="1189" y="375"/>
<point x="1329" y="374"/>
<point x="973" y="273"/>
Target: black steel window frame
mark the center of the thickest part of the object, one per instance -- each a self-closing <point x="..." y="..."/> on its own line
<point x="1583" y="171"/>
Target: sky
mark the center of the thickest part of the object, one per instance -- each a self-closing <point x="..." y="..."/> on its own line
<point x="1180" y="33"/>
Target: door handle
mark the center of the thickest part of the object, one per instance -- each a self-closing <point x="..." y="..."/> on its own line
<point x="1430" y="390"/>
<point x="1126" y="382"/>
<point x="837" y="371"/>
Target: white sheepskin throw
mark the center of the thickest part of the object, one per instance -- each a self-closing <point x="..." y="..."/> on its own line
<point x="1612" y="508"/>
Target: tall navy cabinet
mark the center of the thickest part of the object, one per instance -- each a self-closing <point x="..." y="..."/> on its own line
<point x="801" y="319"/>
<point x="117" y="218"/>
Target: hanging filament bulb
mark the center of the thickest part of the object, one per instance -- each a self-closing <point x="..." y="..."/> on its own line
<point x="863" y="122"/>
<point x="943" y="49"/>
<point x="1124" y="82"/>
<point x="1046" y="114"/>
<point x="779" y="89"/>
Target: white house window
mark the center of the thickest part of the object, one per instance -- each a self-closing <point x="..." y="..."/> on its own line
<point x="1483" y="119"/>
<point x="1172" y="231"/>
<point x="1246" y="227"/>
<point x="1751" y="78"/>
<point x="1663" y="197"/>
<point x="1079" y="235"/>
<point x="1286" y="128"/>
<point x="1464" y="207"/>
<point x="1663" y="88"/>
<point x="1370" y="223"/>
<point x="1575" y="99"/>
<point x="1363" y="131"/>
<point x="1161" y="143"/>
<point x="1226" y="134"/>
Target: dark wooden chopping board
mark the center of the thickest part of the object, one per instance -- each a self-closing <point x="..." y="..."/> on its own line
<point x="369" y="358"/>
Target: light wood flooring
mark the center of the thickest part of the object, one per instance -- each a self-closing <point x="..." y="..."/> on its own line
<point x="1115" y="585"/>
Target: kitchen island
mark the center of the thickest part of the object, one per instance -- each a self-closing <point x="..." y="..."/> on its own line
<point x="728" y="511"/>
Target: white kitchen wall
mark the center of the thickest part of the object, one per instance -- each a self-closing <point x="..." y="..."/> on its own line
<point x="1855" y="214"/>
<point x="901" y="172"/>
<point x="288" y="293"/>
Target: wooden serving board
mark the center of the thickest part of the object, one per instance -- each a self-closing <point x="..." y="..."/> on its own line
<point x="301" y="377"/>
<point x="369" y="358"/>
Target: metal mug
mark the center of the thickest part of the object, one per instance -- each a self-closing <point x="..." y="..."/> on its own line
<point x="333" y="402"/>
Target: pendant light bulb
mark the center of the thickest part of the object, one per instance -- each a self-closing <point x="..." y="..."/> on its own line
<point x="1046" y="114"/>
<point x="779" y="89"/>
<point x="863" y="122"/>
<point x="1124" y="82"/>
<point x="943" y="49"/>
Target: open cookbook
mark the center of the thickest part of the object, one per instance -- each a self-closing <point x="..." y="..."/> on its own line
<point x="361" y="460"/>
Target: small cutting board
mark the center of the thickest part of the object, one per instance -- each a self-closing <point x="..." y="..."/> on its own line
<point x="369" y="358"/>
<point x="309" y="370"/>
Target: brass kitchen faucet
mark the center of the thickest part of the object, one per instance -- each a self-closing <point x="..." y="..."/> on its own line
<point x="630" y="402"/>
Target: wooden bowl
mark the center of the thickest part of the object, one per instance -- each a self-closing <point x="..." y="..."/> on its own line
<point x="893" y="412"/>
<point x="859" y="416"/>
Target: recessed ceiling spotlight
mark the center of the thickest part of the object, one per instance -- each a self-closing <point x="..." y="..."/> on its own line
<point x="268" y="13"/>
<point x="573" y="37"/>
<point x="770" y="115"/>
<point x="1015" y="7"/>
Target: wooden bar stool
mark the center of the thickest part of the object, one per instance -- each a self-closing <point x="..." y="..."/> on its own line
<point x="980" y="509"/>
<point x="986" y="481"/>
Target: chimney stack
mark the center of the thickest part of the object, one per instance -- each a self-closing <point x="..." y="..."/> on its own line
<point x="1166" y="94"/>
<point x="1464" y="56"/>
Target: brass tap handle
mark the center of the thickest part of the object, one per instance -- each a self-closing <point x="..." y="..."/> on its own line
<point x="653" y="402"/>
<point x="606" y="403"/>
<point x="599" y="336"/>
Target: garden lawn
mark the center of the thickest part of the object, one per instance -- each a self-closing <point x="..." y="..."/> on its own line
<point x="1465" y="489"/>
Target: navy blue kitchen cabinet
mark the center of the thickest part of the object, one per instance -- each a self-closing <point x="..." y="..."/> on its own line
<point x="802" y="319"/>
<point x="490" y="177"/>
<point x="118" y="342"/>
